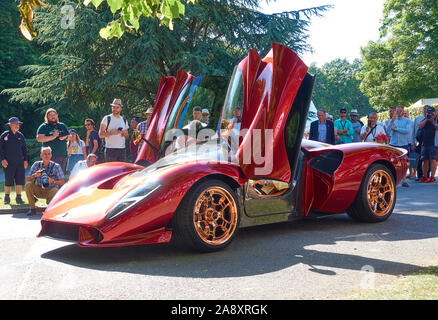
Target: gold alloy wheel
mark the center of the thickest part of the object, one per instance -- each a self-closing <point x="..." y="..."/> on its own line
<point x="380" y="193"/>
<point x="215" y="216"/>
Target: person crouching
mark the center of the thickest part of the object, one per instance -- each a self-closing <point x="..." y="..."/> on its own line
<point x="44" y="180"/>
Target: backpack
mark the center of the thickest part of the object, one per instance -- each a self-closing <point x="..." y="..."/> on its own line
<point x="101" y="147"/>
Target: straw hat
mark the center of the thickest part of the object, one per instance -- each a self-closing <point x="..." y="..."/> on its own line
<point x="117" y="103"/>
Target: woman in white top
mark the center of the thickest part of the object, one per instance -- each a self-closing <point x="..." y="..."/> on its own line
<point x="76" y="150"/>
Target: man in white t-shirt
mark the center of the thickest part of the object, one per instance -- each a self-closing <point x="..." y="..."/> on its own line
<point x="114" y="128"/>
<point x="369" y="132"/>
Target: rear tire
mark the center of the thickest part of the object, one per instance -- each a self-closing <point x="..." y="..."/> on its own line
<point x="208" y="217"/>
<point x="376" y="197"/>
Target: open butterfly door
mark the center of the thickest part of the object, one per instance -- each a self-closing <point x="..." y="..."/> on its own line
<point x="168" y="91"/>
<point x="274" y="93"/>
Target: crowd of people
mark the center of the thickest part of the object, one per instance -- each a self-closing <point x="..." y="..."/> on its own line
<point x="417" y="136"/>
<point x="63" y="152"/>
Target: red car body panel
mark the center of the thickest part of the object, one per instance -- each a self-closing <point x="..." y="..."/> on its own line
<point x="271" y="85"/>
<point x="143" y="224"/>
<point x="168" y="91"/>
<point x="335" y="193"/>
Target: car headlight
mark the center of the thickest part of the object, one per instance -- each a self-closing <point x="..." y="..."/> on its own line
<point x="132" y="198"/>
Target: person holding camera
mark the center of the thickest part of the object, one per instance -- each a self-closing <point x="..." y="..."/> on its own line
<point x="54" y="134"/>
<point x="417" y="147"/>
<point x="44" y="180"/>
<point x="114" y="129"/>
<point x="372" y="130"/>
<point x="428" y="129"/>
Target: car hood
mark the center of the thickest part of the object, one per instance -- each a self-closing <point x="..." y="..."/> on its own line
<point x="90" y="203"/>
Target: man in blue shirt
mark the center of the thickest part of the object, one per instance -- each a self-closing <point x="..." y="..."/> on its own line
<point x="357" y="125"/>
<point x="322" y="129"/>
<point x="400" y="129"/>
<point x="391" y="113"/>
<point x="344" y="128"/>
<point x="44" y="180"/>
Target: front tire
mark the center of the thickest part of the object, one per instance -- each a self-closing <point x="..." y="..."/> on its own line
<point x="376" y="197"/>
<point x="208" y="217"/>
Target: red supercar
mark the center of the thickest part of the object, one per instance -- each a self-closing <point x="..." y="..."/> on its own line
<point x="226" y="178"/>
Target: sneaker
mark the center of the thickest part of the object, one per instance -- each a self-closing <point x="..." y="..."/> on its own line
<point x="431" y="179"/>
<point x="18" y="200"/>
<point x="405" y="184"/>
<point x="31" y="212"/>
<point x="7" y="199"/>
<point x="422" y="179"/>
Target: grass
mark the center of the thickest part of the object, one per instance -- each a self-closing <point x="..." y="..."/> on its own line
<point x="419" y="285"/>
<point x="13" y="204"/>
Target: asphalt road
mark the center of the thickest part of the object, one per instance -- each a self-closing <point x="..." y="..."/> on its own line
<point x="325" y="258"/>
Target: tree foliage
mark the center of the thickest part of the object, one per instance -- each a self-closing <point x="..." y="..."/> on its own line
<point x="81" y="73"/>
<point x="337" y="86"/>
<point x="129" y="12"/>
<point x="15" y="52"/>
<point x="402" y="66"/>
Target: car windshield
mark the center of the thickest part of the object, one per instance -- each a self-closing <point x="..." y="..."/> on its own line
<point x="197" y="108"/>
<point x="232" y="111"/>
<point x="212" y="151"/>
<point x="188" y="137"/>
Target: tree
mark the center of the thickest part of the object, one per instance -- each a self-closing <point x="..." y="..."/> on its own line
<point x="127" y="12"/>
<point x="81" y="72"/>
<point x="130" y="11"/>
<point x="402" y="66"/>
<point x="337" y="86"/>
<point x="15" y="52"/>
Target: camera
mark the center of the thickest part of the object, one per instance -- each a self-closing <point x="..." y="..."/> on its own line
<point x="44" y="179"/>
<point x="120" y="128"/>
<point x="429" y="112"/>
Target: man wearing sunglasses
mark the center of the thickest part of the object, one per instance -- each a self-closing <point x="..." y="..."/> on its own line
<point x="344" y="128"/>
<point x="357" y="125"/>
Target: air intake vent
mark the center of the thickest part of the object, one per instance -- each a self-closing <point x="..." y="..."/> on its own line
<point x="327" y="162"/>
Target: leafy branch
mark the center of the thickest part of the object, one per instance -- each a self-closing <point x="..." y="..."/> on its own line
<point x="129" y="13"/>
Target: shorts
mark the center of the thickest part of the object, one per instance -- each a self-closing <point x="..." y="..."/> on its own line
<point x="73" y="159"/>
<point x="428" y="153"/>
<point x="14" y="174"/>
<point x="413" y="155"/>
<point x="115" y="155"/>
<point x="62" y="161"/>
